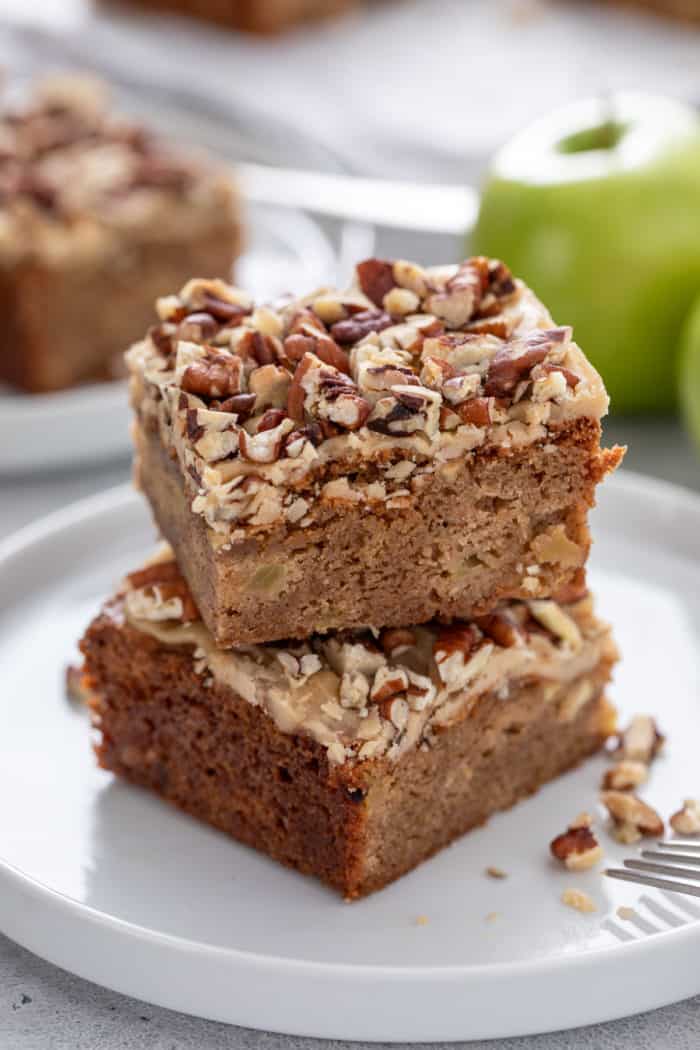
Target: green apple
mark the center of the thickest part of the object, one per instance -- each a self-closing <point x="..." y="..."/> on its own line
<point x="690" y="372"/>
<point x="597" y="207"/>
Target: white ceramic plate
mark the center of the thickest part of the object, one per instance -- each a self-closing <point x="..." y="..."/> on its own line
<point x="287" y="251"/>
<point x="109" y="882"/>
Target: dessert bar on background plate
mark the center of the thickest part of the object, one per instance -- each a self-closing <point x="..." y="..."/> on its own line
<point x="253" y="16"/>
<point x="121" y="889"/>
<point x="90" y="423"/>
<point x="348" y="756"/>
<point x="300" y="457"/>
<point x="98" y="218"/>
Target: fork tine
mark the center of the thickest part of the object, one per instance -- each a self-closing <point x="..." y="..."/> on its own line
<point x="679" y="844"/>
<point x="649" y="880"/>
<point x="691" y="847"/>
<point x="672" y="858"/>
<point x="662" y="869"/>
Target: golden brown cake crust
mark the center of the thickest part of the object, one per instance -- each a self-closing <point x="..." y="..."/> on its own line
<point x="356" y="827"/>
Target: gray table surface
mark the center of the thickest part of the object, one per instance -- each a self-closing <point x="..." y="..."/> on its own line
<point x="42" y="1007"/>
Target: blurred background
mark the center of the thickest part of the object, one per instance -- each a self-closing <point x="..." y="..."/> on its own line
<point x="598" y="207"/>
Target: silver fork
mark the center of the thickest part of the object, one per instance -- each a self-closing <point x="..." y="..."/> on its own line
<point x="670" y="859"/>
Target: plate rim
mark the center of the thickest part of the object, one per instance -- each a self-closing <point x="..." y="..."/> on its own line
<point x="638" y="952"/>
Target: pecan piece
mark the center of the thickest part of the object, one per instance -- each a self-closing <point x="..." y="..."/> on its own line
<point x="577" y="847"/>
<point x="297" y="396"/>
<point x="462" y="294"/>
<point x="266" y="445"/>
<point x="454" y="638"/>
<point x="476" y="411"/>
<point x="502" y="628"/>
<point x="215" y="376"/>
<point x="242" y="405"/>
<point x="514" y="362"/>
<point x="225" y="313"/>
<point x="308" y="334"/>
<point x="498" y="325"/>
<point x="270" y="384"/>
<point x="197" y="327"/>
<point x="396" y="640"/>
<point x="355" y="328"/>
<point x="271" y="419"/>
<point x="388" y="681"/>
<point x="642" y="740"/>
<point x="632" y="818"/>
<point x="572" y="380"/>
<point x="395" y="710"/>
<point x="163" y="338"/>
<point x="167" y="578"/>
<point x="376" y="278"/>
<point x="687" y="820"/>
<point x="625" y="776"/>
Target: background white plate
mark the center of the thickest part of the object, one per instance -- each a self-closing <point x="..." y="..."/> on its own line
<point x="286" y="252"/>
<point x="116" y="886"/>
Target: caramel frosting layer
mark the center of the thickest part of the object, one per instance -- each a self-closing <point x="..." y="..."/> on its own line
<point x="367" y="694"/>
<point x="76" y="181"/>
<point x="356" y="395"/>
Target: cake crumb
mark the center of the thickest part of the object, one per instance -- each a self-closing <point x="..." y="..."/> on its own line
<point x="578" y="900"/>
<point x="421" y="920"/>
<point x="625" y="912"/>
<point x="495" y="873"/>
<point x="75" y="691"/>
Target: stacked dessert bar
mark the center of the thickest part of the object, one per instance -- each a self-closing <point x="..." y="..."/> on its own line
<point x="370" y="627"/>
<point x="97" y="218"/>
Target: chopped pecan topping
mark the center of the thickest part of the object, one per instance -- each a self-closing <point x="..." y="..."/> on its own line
<point x="266" y="445"/>
<point x="516" y="360"/>
<point x="163" y="337"/>
<point x="462" y="294"/>
<point x="572" y="380"/>
<point x="476" y="411"/>
<point x="241" y="405"/>
<point x="327" y="395"/>
<point x="258" y="348"/>
<point x="376" y="278"/>
<point x="388" y="681"/>
<point x="410" y="408"/>
<point x="498" y="325"/>
<point x="197" y="327"/>
<point x="632" y="818"/>
<point x="641" y="741"/>
<point x="396" y="640"/>
<point x="307" y="334"/>
<point x="270" y="384"/>
<point x="687" y="820"/>
<point x="395" y="710"/>
<point x="502" y="627"/>
<point x="455" y="638"/>
<point x="625" y="775"/>
<point x="166" y="577"/>
<point x="577" y="847"/>
<point x="271" y="419"/>
<point x="215" y="376"/>
<point x="360" y="325"/>
<point x="224" y="312"/>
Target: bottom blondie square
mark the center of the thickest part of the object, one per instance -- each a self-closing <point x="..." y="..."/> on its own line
<point x="351" y="756"/>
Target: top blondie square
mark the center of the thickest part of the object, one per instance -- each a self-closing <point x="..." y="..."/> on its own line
<point x="422" y="445"/>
